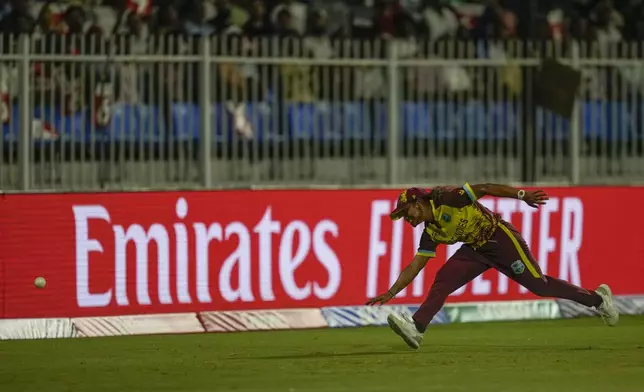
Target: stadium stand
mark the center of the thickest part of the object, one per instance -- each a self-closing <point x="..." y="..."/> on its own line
<point x="335" y="100"/>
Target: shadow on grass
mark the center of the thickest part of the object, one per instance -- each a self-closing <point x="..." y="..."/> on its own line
<point x="313" y="355"/>
<point x="455" y="349"/>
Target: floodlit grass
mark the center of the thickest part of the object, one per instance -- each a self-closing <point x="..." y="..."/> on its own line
<point x="571" y="355"/>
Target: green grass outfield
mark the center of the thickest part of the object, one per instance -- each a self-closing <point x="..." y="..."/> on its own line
<point x="564" y="355"/>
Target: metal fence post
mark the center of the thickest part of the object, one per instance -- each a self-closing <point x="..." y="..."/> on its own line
<point x="575" y="131"/>
<point x="393" y="109"/>
<point x="24" y="105"/>
<point x="205" y="130"/>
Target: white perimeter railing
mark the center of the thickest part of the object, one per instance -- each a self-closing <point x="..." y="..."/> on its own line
<point x="164" y="113"/>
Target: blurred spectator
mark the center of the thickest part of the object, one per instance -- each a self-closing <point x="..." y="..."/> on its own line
<point x="496" y="22"/>
<point x="496" y="25"/>
<point x="284" y="25"/>
<point x="235" y="80"/>
<point x="297" y="12"/>
<point x="237" y="84"/>
<point x="508" y="25"/>
<point x="223" y="21"/>
<point x="18" y="19"/>
<point x="608" y="22"/>
<point x="132" y="38"/>
<point x="294" y="80"/>
<point x="135" y="26"/>
<point x="193" y="14"/>
<point x="66" y="86"/>
<point x="553" y="25"/>
<point x="47" y="20"/>
<point x="317" y="43"/>
<point x="318" y="24"/>
<point x="391" y="20"/>
<point x="167" y="20"/>
<point x="164" y="84"/>
<point x="258" y="24"/>
<point x="440" y="19"/>
<point x="361" y="22"/>
<point x="324" y="79"/>
<point x="338" y="15"/>
<point x="74" y="20"/>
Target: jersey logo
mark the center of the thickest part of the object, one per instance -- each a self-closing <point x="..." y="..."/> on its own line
<point x="447" y="218"/>
<point x="461" y="192"/>
<point x="518" y="267"/>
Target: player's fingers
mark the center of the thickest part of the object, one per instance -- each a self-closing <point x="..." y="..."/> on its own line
<point x="542" y="194"/>
<point x="537" y="197"/>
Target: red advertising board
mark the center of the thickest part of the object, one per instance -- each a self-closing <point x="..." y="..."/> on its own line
<point x="168" y="252"/>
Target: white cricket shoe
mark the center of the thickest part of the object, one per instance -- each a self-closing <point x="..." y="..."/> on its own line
<point x="607" y="309"/>
<point x="404" y="327"/>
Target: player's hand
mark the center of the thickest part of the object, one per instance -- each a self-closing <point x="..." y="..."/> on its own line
<point x="381" y="299"/>
<point x="536" y="198"/>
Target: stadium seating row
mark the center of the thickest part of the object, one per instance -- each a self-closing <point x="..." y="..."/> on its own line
<point x="610" y="121"/>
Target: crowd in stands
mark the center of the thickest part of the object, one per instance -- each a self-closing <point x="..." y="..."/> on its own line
<point x="314" y="28"/>
<point x="359" y="19"/>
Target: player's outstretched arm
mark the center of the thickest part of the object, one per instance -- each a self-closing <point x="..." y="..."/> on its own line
<point x="532" y="198"/>
<point x="404" y="279"/>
